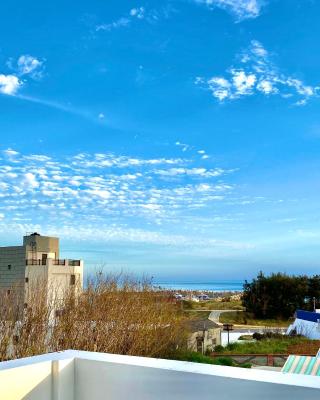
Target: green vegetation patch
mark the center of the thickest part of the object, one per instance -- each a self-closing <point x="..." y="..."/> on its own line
<point x="212" y="305"/>
<point x="280" y="295"/>
<point x="196" y="314"/>
<point x="245" y="318"/>
<point x="265" y="346"/>
<point x="192" y="356"/>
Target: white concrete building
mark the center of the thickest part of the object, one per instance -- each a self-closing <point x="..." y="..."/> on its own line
<point x="36" y="264"/>
<point x="78" y="375"/>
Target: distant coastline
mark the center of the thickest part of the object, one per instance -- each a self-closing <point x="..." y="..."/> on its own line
<point x="211" y="286"/>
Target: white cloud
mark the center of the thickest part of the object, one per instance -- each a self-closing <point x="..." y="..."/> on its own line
<point x="9" y="84"/>
<point x="243" y="82"/>
<point x="29" y="65"/>
<point x="200" y="172"/>
<point x="122" y="22"/>
<point x="113" y="234"/>
<point x="240" y="9"/>
<point x="26" y="66"/>
<point x="103" y="186"/>
<point x="220" y="87"/>
<point x="184" y="147"/>
<point x="30" y="181"/>
<point x="256" y="73"/>
<point x="10" y="152"/>
<point x="104" y="194"/>
<point x="36" y="157"/>
<point x="267" y="87"/>
<point x="138" y="12"/>
<point x="104" y="160"/>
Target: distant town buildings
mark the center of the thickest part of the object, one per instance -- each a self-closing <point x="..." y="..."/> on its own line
<point x="36" y="265"/>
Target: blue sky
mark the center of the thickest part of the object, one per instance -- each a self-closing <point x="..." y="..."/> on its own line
<point x="175" y="138"/>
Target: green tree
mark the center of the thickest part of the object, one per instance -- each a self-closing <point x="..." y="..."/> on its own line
<point x="279" y="295"/>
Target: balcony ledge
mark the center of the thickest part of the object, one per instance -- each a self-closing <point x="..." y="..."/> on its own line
<point x="80" y="375"/>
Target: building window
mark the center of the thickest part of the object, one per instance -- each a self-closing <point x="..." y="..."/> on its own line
<point x="9" y="266"/>
<point x="72" y="279"/>
<point x="8" y="292"/>
<point x="27" y="280"/>
<point x="25" y="305"/>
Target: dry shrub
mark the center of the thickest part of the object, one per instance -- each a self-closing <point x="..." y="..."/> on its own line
<point x="114" y="314"/>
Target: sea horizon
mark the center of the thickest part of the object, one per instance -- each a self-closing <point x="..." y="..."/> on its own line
<point x="211" y="286"/>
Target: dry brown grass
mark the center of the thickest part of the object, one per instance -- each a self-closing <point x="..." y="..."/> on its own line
<point x="115" y="314"/>
<point x="307" y="347"/>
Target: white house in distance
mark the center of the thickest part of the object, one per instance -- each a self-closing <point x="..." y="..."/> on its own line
<point x="24" y="268"/>
<point x="307" y="324"/>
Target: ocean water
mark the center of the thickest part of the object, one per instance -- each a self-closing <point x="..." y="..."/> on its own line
<point x="214" y="286"/>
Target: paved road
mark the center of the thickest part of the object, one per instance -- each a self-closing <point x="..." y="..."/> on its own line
<point x="215" y="315"/>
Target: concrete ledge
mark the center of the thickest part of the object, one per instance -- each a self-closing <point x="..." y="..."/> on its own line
<point x="80" y="375"/>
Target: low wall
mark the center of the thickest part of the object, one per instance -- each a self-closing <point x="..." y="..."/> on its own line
<point x="74" y="375"/>
<point x="271" y="360"/>
<point x="26" y="382"/>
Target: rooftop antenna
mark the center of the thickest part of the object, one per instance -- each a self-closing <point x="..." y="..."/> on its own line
<point x="33" y="245"/>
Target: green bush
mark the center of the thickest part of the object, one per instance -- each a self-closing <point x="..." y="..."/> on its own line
<point x="227" y="361"/>
<point x="257" y="336"/>
<point x="231" y="346"/>
<point x="193" y="356"/>
<point x="245" y="365"/>
<point x="218" y="348"/>
<point x="264" y="346"/>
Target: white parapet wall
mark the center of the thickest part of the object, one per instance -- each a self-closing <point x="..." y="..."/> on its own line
<point x="77" y="375"/>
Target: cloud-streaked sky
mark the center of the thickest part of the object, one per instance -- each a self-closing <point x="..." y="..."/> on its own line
<point x="179" y="138"/>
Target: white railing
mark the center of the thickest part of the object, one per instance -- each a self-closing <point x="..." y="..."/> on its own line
<point x="78" y="375"/>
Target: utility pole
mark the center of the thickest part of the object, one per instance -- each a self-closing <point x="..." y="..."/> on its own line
<point x="228" y="328"/>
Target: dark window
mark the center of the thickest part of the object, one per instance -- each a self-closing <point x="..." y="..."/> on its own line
<point x="27" y="280"/>
<point x="25" y="305"/>
<point x="8" y="292"/>
<point x="72" y="279"/>
<point x="9" y="266"/>
<point x="44" y="259"/>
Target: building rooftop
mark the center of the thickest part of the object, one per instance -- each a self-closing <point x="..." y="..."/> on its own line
<point x="310" y="316"/>
<point x="78" y="375"/>
<point x="196" y="325"/>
